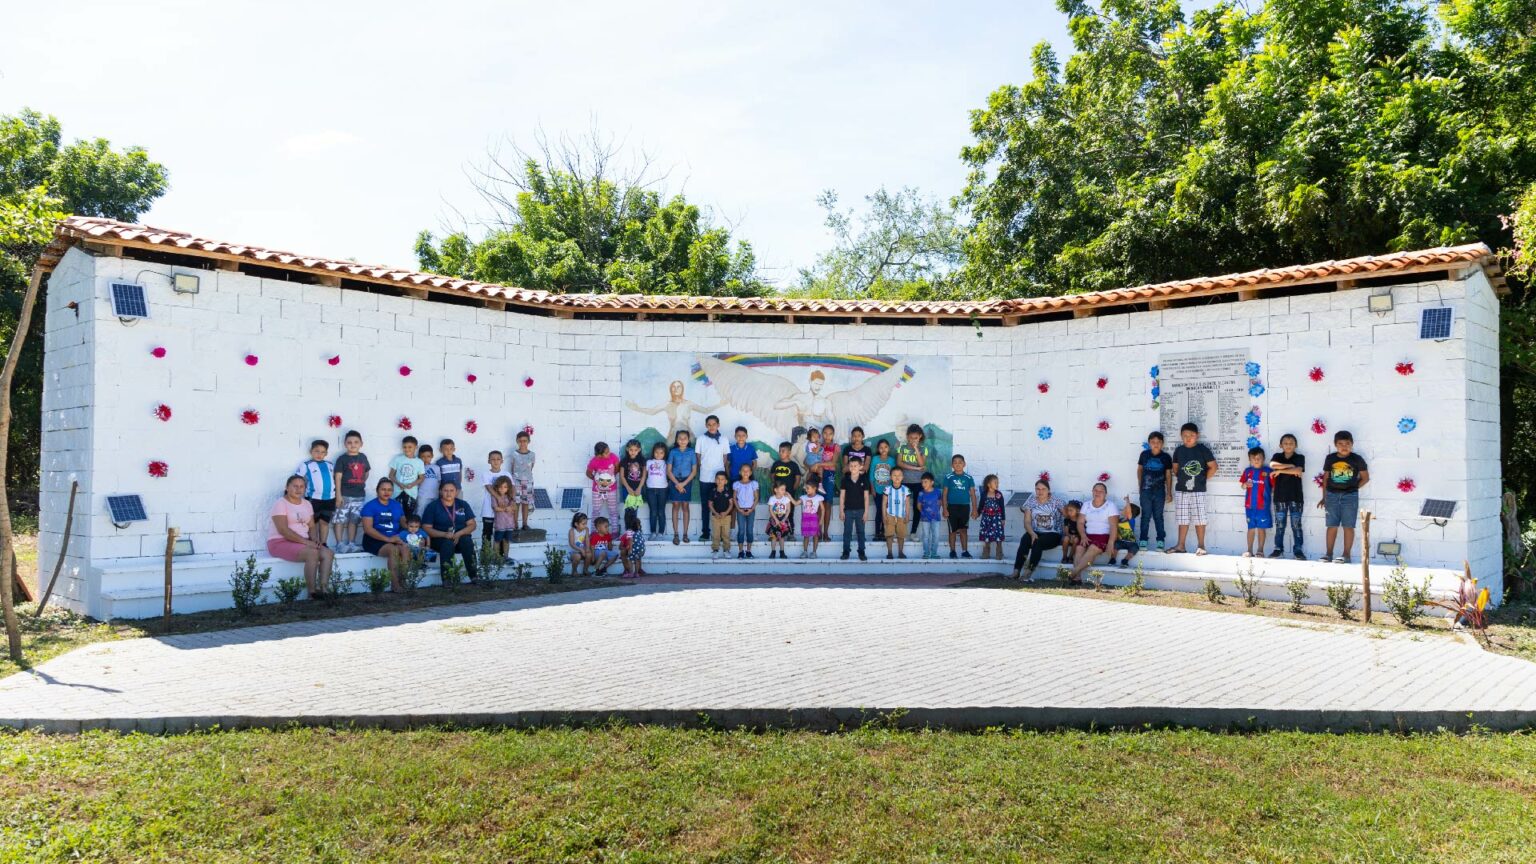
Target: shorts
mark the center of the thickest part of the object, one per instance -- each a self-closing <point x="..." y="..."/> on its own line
<point x="1130" y="546"/>
<point x="1189" y="508"/>
<point x="896" y="527"/>
<point x="1099" y="540"/>
<point x="959" y="517"/>
<point x="325" y="508"/>
<point x="522" y="493"/>
<point x="1260" y="519"/>
<point x="282" y="547"/>
<point x="1341" y="509"/>
<point x="350" y="512"/>
<point x="502" y="536"/>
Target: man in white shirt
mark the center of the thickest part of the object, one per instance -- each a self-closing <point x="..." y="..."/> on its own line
<point x="712" y="447"/>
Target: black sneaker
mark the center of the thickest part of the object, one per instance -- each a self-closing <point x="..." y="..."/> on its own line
<point x="863" y="557"/>
<point x="741" y="554"/>
<point x="901" y="555"/>
<point x="1278" y="553"/>
<point x="749" y="553"/>
<point x="1326" y="559"/>
<point x="844" y="557"/>
<point x="952" y="554"/>
<point x="1300" y="556"/>
<point x="965" y="554"/>
<point x="890" y="556"/>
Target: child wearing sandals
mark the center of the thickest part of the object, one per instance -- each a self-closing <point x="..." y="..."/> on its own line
<point x="810" y="515"/>
<point x="780" y="508"/>
<point x="632" y="545"/>
<point x="576" y="544"/>
<point x="992" y="512"/>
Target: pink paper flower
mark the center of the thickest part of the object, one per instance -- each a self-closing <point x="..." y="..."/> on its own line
<point x="404" y="423"/>
<point x="163" y="411"/>
<point x="334" y="421"/>
<point x="405" y="370"/>
<point x="1320" y="478"/>
<point x="334" y="360"/>
<point x="157" y="352"/>
<point x="250" y="416"/>
<point x="1102" y="382"/>
<point x="471" y="378"/>
<point x="471" y="427"/>
<point x="1104" y="477"/>
<point x="1043" y="387"/>
<point x="1406" y="485"/>
<point x="1316" y="374"/>
<point x="1405" y="368"/>
<point x="252" y="359"/>
<point x="528" y="382"/>
<point x="159" y="469"/>
<point x="1045" y="477"/>
<point x="1319" y="427"/>
<point x="528" y="430"/>
<point x="1103" y="425"/>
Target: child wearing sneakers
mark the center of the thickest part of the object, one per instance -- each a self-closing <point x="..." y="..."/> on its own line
<point x="1258" y="484"/>
<point x="352" y="484"/>
<point x="521" y="468"/>
<point x="1193" y="465"/>
<point x="780" y="508"/>
<point x="493" y="472"/>
<point x="1154" y="476"/>
<point x="320" y="490"/>
<point x="604" y="550"/>
<point x="1125" y="534"/>
<point x="897" y="502"/>
<point x="929" y="513"/>
<point x="745" y="493"/>
<point x="721" y="505"/>
<point x="632" y="545"/>
<point x="992" y="512"/>
<point x="960" y="498"/>
<point x="810" y="515"/>
<point x="1344" y="472"/>
<point x="602" y="469"/>
<point x="407" y="472"/>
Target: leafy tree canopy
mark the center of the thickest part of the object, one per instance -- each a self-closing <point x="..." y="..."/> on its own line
<point x="904" y="246"/>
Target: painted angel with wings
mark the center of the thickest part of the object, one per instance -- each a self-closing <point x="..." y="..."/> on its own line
<point x="782" y="406"/>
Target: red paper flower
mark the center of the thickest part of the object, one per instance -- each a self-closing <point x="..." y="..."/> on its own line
<point x="1045" y="477"/>
<point x="528" y="430"/>
<point x="471" y="378"/>
<point x="1320" y="479"/>
<point x="334" y="421"/>
<point x="158" y="469"/>
<point x="335" y="359"/>
<point x="1316" y="374"/>
<point x="405" y="370"/>
<point x="250" y="416"/>
<point x="1319" y="427"/>
<point x="252" y="359"/>
<point x="163" y="411"/>
<point x="1406" y="484"/>
<point x="527" y="382"/>
<point x="471" y="427"/>
<point x="1102" y="382"/>
<point x="157" y="352"/>
<point x="1043" y="387"/>
<point x="404" y="423"/>
<point x="1103" y="425"/>
<point x="1405" y="368"/>
<point x="1104" y="477"/>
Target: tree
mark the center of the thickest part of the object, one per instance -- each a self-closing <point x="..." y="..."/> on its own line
<point x="567" y="218"/>
<point x="905" y="246"/>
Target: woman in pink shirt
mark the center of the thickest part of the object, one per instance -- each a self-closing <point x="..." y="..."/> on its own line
<point x="289" y="539"/>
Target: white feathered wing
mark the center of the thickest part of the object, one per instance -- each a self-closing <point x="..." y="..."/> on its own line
<point x="751" y="391"/>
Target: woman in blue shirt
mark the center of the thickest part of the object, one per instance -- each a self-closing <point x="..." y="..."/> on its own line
<point x="682" y="467"/>
<point x="383" y="522"/>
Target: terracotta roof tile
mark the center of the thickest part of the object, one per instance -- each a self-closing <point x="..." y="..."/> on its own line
<point x="79" y="228"/>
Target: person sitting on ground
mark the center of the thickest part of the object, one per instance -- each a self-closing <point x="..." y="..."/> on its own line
<point x="451" y="525"/>
<point x="291" y="537"/>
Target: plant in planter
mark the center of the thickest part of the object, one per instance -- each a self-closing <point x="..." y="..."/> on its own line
<point x="288" y="589"/>
<point x="1138" y="582"/>
<point x="247" y="583"/>
<point x="554" y="564"/>
<point x="340" y="586"/>
<point x="414" y="572"/>
<point x="1341" y="596"/>
<point x="1298" y="590"/>
<point x="492" y="562"/>
<point x="451" y="573"/>
<point x="377" y="580"/>
<point x="1405" y="599"/>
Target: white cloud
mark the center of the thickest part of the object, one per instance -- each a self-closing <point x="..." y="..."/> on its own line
<point x="316" y="143"/>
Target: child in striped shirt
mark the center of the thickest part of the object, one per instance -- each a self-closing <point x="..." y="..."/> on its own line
<point x="898" y="503"/>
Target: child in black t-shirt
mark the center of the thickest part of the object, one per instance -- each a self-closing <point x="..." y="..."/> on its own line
<point x="721" y="506"/>
<point x="785" y="469"/>
<point x="1289" y="469"/>
<point x="1344" y="472"/>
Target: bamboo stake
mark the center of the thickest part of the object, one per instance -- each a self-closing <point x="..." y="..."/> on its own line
<point x="12" y="357"/>
<point x="1365" y="562"/>
<point x="58" y="564"/>
<point x="170" y="550"/>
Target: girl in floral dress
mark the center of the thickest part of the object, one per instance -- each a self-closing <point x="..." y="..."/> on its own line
<point x="992" y="512"/>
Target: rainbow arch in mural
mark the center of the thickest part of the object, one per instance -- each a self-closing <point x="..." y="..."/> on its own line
<point x="872" y="364"/>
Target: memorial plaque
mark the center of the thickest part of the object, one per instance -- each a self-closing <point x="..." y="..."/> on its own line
<point x="1209" y="389"/>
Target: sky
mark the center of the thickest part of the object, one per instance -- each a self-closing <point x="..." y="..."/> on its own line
<point x="344" y="128"/>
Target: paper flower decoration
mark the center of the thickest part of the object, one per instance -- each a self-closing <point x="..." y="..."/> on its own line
<point x="405" y="370"/>
<point x="1146" y="446"/>
<point x="333" y="421"/>
<point x="158" y="469"/>
<point x="1407" y="424"/>
<point x="528" y="382"/>
<point x="1043" y="387"/>
<point x="528" y="430"/>
<point x="1256" y="390"/>
<point x="1045" y="477"/>
<point x="1104" y="477"/>
<point x="157" y="352"/>
<point x="335" y="360"/>
<point x="471" y="427"/>
<point x="1320" y="478"/>
<point x="1252" y="418"/>
<point x="471" y="378"/>
<point x="1103" y="425"/>
<point x="1405" y="368"/>
<point x="1253" y="441"/>
<point x="404" y="423"/>
<point x="1316" y="374"/>
<point x="1251" y="368"/>
<point x="1045" y="433"/>
<point x="1153" y="372"/>
<point x="1406" y="485"/>
<point x="252" y="359"/>
<point x="1156" y="391"/>
<point x="250" y="416"/>
<point x="1319" y="427"/>
<point x="163" y="411"/>
<point x="1102" y="382"/>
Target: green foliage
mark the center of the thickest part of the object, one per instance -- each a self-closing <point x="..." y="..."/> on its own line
<point x="1405" y="599"/>
<point x="413" y="574"/>
<point x="905" y="246"/>
<point x="1247" y="585"/>
<point x="1298" y="589"/>
<point x="1064" y="575"/>
<point x="1138" y="582"/>
<point x="247" y="583"/>
<point x="451" y="573"/>
<point x="339" y="586"/>
<point x="492" y="562"/>
<point x="1097" y="576"/>
<point x="522" y="570"/>
<point x="376" y="579"/>
<point x="554" y="563"/>
<point x="1341" y="596"/>
<point x="288" y="589"/>
<point x="1213" y="591"/>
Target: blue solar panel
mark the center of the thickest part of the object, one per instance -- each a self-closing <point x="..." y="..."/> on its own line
<point x="1436" y="508"/>
<point x="541" y="500"/>
<point x="126" y="508"/>
<point x="128" y="300"/>
<point x="1018" y="499"/>
<point x="570" y="499"/>
<point x="1435" y="323"/>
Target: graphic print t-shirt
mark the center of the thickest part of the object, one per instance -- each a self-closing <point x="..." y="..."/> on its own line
<point x="1343" y="472"/>
<point x="1287" y="487"/>
<point x="386" y="517"/>
<point x="1154" y="468"/>
<point x="352" y="472"/>
<point x="1260" y="487"/>
<point x="785" y="471"/>
<point x="656" y="474"/>
<point x="1189" y="463"/>
<point x="928" y="504"/>
<point x="408" y="469"/>
<point x="880" y="473"/>
<point x="602" y="468"/>
<point x="957" y="488"/>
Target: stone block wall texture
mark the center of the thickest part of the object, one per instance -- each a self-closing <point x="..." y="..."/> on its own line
<point x="103" y="384"/>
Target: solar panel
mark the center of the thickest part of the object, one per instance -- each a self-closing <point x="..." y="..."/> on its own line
<point x="1018" y="499"/>
<point x="128" y="300"/>
<point x="570" y="499"/>
<point x="126" y="508"/>
<point x="541" y="500"/>
<point x="1435" y="322"/>
<point x="1435" y="508"/>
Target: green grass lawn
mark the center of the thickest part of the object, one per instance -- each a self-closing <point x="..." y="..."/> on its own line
<point x="646" y="794"/>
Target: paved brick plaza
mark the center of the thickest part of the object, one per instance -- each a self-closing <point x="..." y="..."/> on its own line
<point x="811" y="654"/>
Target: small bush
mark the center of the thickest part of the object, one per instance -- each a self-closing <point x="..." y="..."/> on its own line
<point x="522" y="570"/>
<point x="451" y="573"/>
<point x="492" y="562"/>
<point x="1064" y="575"/>
<point x="377" y="580"/>
<point x="554" y="563"/>
<point x="1405" y="599"/>
<point x="1247" y="586"/>
<point x="339" y="587"/>
<point x="415" y="571"/>
<point x="288" y="589"/>
<point x="1341" y="596"/>
<point x="1213" y="592"/>
<point x="1298" y="590"/>
<point x="1138" y="581"/>
<point x="247" y="584"/>
<point x="1097" y="576"/>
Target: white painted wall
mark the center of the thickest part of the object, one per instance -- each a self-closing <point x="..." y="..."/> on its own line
<point x="103" y="384"/>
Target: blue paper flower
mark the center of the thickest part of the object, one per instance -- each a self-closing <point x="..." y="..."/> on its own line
<point x="1156" y="391"/>
<point x="1251" y="418"/>
<point x="1254" y="441"/>
<point x="1252" y="369"/>
<point x="1153" y="372"/>
<point x="1045" y="433"/>
<point x="1146" y="446"/>
<point x="1407" y="424"/>
<point x="1256" y="390"/>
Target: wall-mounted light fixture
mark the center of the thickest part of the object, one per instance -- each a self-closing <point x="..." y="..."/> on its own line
<point x="1389" y="549"/>
<point x="184" y="283"/>
<point x="1380" y="303"/>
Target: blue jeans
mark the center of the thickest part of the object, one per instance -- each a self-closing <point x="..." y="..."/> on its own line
<point x="1152" y="501"/>
<point x="853" y="521"/>
<point x="928" y="532"/>
<point x="744" y="528"/>
<point x="1287" y="511"/>
<point x="656" y="507"/>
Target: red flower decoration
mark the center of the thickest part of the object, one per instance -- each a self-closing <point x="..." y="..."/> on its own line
<point x="1045" y="476"/>
<point x="405" y="370"/>
<point x="1102" y="382"/>
<point x="404" y="423"/>
<point x="527" y="382"/>
<point x="252" y="359"/>
<point x="471" y="378"/>
<point x="334" y="421"/>
<point x="163" y="411"/>
<point x="157" y="352"/>
<point x="1104" y="477"/>
<point x="1406" y="484"/>
<point x="1103" y="425"/>
<point x="471" y="427"/>
<point x="528" y="430"/>
<point x="1316" y="374"/>
<point x="1320" y="479"/>
<point x="335" y="359"/>
<point x="250" y="417"/>
<point x="158" y="469"/>
<point x="1318" y="426"/>
<point x="1405" y="368"/>
<point x="1043" y="387"/>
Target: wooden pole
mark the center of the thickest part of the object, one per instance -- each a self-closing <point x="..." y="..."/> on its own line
<point x="1365" y="563"/>
<point x="170" y="550"/>
<point x="7" y="374"/>
<point x="58" y="564"/>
